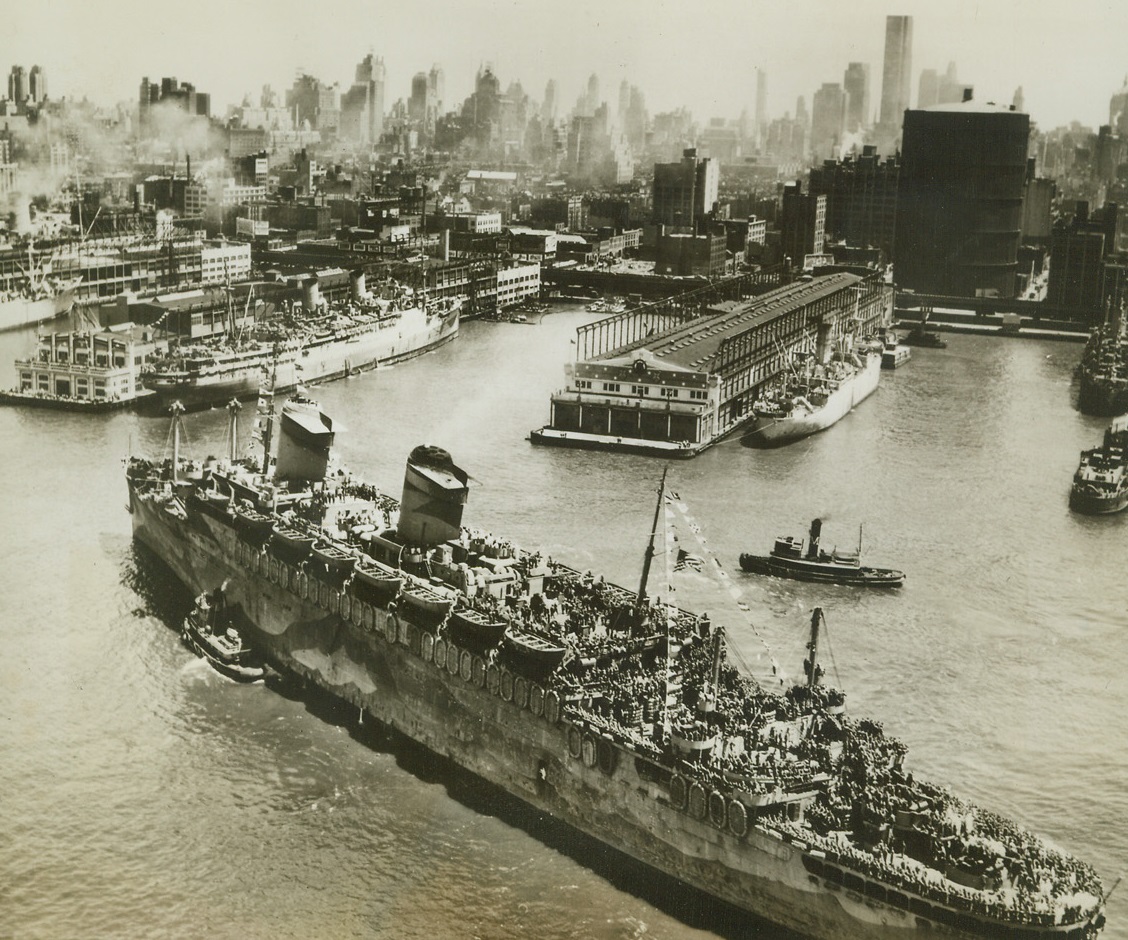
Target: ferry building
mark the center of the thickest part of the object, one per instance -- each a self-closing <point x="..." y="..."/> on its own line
<point x="651" y="381"/>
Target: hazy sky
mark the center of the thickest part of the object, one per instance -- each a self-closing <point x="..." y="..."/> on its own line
<point x="1068" y="56"/>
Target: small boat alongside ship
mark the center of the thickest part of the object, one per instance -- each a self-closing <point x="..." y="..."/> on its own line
<point x="894" y="353"/>
<point x="1100" y="483"/>
<point x="208" y="632"/>
<point x="788" y="559"/>
<point x="812" y="397"/>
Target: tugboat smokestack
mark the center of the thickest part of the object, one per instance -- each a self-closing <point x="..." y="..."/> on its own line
<point x="813" y="542"/>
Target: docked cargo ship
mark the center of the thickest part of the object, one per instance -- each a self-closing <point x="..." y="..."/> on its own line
<point x="613" y="713"/>
<point x="789" y="558"/>
<point x="1100" y="483"/>
<point x="31" y="300"/>
<point x="812" y="397"/>
<point x="348" y="339"/>
<point x="1104" y="371"/>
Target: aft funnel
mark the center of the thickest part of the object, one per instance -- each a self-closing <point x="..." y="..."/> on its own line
<point x="434" y="492"/>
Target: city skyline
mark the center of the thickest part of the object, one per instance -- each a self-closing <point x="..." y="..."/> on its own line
<point x="707" y="65"/>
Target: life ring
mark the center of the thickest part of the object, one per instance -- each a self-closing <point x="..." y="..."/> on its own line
<point x="273" y="570"/>
<point x="493" y="679"/>
<point x="575" y="741"/>
<point x="589" y="751"/>
<point x="439" y="653"/>
<point x="679" y="791"/>
<point x="367" y="618"/>
<point x="346" y="607"/>
<point x="698" y="801"/>
<point x="303" y="585"/>
<point x="737" y="819"/>
<point x="453" y="653"/>
<point x="413" y="638"/>
<point x="391" y="628"/>
<point x="520" y="692"/>
<point x="427" y="646"/>
<point x="334" y="600"/>
<point x="401" y="634"/>
<point x="717" y="814"/>
<point x="506" y="685"/>
<point x="478" y="669"/>
<point x="606" y="755"/>
<point x="552" y="707"/>
<point x="536" y="699"/>
<point x="466" y="665"/>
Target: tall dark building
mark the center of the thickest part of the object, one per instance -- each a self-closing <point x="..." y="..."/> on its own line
<point x="861" y="199"/>
<point x="802" y="223"/>
<point x="959" y="200"/>
<point x="685" y="192"/>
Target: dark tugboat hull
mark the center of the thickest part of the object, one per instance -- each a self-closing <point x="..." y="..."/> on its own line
<point x="1091" y="505"/>
<point x="828" y="573"/>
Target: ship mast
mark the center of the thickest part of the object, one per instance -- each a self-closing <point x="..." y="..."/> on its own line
<point x="648" y="557"/>
<point x="176" y="409"/>
<point x="811" y="663"/>
<point x="233" y="407"/>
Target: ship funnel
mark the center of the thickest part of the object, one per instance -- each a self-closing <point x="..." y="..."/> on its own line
<point x="311" y="295"/>
<point x="357" y="289"/>
<point x="304" y="441"/>
<point x="434" y="492"/>
<point x="813" y="543"/>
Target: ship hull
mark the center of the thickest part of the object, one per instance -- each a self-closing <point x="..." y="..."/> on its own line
<point x="18" y="313"/>
<point x="1091" y="504"/>
<point x="448" y="701"/>
<point x="413" y="335"/>
<point x="1100" y="395"/>
<point x="773" y="432"/>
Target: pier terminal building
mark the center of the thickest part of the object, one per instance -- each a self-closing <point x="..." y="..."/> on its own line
<point x="654" y="381"/>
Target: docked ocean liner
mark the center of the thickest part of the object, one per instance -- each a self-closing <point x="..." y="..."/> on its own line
<point x="318" y="343"/>
<point x="1104" y="371"/>
<point x="812" y="396"/>
<point x="33" y="297"/>
<point x="613" y="713"/>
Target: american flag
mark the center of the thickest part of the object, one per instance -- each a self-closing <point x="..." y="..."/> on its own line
<point x="689" y="562"/>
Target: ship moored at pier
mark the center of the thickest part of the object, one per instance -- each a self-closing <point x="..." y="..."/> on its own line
<point x="1103" y="387"/>
<point x="612" y="713"/>
<point x="673" y="383"/>
<point x="316" y="344"/>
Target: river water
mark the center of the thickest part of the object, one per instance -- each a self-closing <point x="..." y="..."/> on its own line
<point x="145" y="796"/>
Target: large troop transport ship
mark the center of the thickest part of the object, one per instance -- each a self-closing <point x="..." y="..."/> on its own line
<point x="615" y="714"/>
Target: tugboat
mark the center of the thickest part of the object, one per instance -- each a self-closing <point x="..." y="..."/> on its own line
<point x="208" y="632"/>
<point x="1100" y="485"/>
<point x="894" y="353"/>
<point x="788" y="560"/>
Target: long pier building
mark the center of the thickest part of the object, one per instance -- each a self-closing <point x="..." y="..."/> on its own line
<point x="652" y="381"/>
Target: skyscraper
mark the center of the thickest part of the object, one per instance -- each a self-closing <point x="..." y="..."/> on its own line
<point x="37" y="84"/>
<point x="17" y="84"/>
<point x="828" y="116"/>
<point x="959" y="200"/>
<point x="548" y="109"/>
<point x="761" y="106"/>
<point x="856" y="84"/>
<point x="897" y="69"/>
